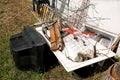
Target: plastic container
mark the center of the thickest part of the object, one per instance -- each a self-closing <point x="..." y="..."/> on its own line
<point x="30" y="50"/>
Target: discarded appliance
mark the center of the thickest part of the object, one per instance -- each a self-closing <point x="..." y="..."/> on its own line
<point x="73" y="55"/>
<point x="31" y="51"/>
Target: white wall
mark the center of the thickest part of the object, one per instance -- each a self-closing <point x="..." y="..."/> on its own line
<point x="109" y="9"/>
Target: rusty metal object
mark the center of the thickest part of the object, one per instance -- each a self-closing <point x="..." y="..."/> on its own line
<point x="116" y="71"/>
<point x="113" y="73"/>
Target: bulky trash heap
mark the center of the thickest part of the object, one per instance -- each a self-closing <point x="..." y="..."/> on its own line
<point x="62" y="36"/>
<point x="68" y="32"/>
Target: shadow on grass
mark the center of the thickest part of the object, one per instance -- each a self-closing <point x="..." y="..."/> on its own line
<point x="92" y="70"/>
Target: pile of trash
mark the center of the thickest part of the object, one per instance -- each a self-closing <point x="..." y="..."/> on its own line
<point x="74" y="43"/>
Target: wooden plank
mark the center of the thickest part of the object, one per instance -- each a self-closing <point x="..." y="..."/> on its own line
<point x="55" y="37"/>
<point x="118" y="50"/>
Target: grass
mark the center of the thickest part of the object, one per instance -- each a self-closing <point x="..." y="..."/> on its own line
<point x="14" y="15"/>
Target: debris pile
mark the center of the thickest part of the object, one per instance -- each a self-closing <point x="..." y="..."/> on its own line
<point x="71" y="39"/>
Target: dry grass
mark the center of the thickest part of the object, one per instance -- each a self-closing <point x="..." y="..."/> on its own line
<point x="14" y="15"/>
